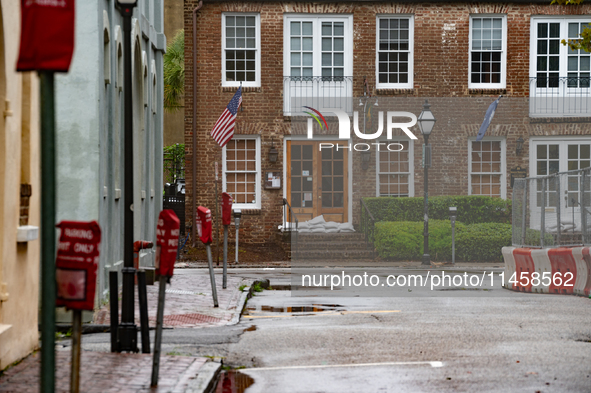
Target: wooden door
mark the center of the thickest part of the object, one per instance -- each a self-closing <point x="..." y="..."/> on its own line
<point x="317" y="181"/>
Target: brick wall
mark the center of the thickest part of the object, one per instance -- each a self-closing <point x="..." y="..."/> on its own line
<point x="441" y="35"/>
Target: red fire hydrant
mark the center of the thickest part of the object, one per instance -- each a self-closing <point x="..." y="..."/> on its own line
<point x="137" y="246"/>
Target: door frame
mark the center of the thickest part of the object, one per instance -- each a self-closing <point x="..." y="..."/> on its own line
<point x="323" y="138"/>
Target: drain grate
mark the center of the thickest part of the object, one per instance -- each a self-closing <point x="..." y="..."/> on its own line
<point x="181" y="292"/>
<point x="187" y="319"/>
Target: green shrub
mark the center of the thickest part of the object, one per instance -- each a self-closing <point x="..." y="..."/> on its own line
<point x="532" y="238"/>
<point x="483" y="242"/>
<point x="403" y="240"/>
<point x="471" y="209"/>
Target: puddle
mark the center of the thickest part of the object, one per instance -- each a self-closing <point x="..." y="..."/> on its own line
<point x="252" y="328"/>
<point x="294" y="309"/>
<point x="233" y="382"/>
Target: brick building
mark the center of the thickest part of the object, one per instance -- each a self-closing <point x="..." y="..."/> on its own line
<point x="376" y="57"/>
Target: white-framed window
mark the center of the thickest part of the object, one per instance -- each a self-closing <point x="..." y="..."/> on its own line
<point x="559" y="76"/>
<point x="241" y="170"/>
<point x="394" y="51"/>
<point x="241" y="49"/>
<point x="318" y="46"/>
<point x="488" y="52"/>
<point x="552" y="155"/>
<point x="395" y="170"/>
<point x="553" y="63"/>
<point x="486" y="167"/>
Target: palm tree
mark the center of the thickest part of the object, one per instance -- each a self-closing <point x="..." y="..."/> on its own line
<point x="174" y="72"/>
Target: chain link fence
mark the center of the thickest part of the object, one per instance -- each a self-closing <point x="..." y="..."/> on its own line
<point x="552" y="211"/>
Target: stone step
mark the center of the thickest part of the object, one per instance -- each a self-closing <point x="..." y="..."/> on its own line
<point x="328" y="245"/>
<point x="331" y="237"/>
<point x="341" y="255"/>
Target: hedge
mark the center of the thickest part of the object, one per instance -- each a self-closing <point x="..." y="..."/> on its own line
<point x="471" y="209"/>
<point x="403" y="240"/>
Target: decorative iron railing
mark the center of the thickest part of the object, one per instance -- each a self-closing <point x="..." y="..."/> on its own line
<point x="316" y="92"/>
<point x="556" y="97"/>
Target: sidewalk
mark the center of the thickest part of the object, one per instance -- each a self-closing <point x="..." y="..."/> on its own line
<point x="188" y="304"/>
<point x="107" y="372"/>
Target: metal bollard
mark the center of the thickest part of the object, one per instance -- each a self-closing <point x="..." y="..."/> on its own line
<point x="211" y="276"/>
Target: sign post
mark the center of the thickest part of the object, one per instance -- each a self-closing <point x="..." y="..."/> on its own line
<point x="167" y="238"/>
<point x="76" y="266"/>
<point x="204" y="232"/>
<point x="47" y="46"/>
<point x="217" y="217"/>
<point x="237" y="215"/>
<point x="226" y="220"/>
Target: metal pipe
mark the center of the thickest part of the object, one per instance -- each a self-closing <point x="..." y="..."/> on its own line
<point x="214" y="292"/>
<point x="127" y="328"/>
<point x="48" y="200"/>
<point x="194" y="126"/>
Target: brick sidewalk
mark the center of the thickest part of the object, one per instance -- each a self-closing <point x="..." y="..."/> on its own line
<point x="105" y="373"/>
<point x="188" y="302"/>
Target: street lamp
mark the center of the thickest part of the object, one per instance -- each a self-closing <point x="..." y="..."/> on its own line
<point x="426" y="122"/>
<point x="127" y="332"/>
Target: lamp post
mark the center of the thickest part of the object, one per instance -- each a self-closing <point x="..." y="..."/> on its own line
<point x="127" y="333"/>
<point x="426" y="122"/>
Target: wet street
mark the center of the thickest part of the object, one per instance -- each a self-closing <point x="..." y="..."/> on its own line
<point x="471" y="341"/>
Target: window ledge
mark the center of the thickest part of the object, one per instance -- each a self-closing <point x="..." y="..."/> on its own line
<point x="559" y="119"/>
<point x="245" y="89"/>
<point x="27" y="233"/>
<point x="251" y="212"/>
<point x="391" y="92"/>
<point x="476" y="91"/>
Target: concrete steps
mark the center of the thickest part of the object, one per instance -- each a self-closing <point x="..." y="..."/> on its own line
<point x="332" y="246"/>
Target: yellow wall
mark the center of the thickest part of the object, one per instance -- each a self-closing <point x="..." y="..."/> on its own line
<point x="19" y="164"/>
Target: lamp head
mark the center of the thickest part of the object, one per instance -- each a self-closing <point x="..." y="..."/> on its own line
<point x="426" y="119"/>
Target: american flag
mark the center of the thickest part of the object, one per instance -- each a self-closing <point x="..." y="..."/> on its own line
<point x="223" y="130"/>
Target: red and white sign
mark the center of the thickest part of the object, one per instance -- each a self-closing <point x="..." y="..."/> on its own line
<point x="167" y="242"/>
<point x="204" y="224"/>
<point x="47" y="35"/>
<point x="76" y="264"/>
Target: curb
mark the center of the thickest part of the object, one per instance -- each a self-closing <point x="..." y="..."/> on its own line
<point x="264" y="283"/>
<point x="206" y="379"/>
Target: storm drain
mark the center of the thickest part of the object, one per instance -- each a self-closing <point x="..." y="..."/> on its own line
<point x="187" y="319"/>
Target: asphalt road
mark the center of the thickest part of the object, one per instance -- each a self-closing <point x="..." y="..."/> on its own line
<point x="457" y="341"/>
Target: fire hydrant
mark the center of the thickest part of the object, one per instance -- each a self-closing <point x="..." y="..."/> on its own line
<point x="137" y="246"/>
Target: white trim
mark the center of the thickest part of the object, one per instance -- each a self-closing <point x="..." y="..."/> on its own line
<point x="154" y="87"/>
<point x="561" y="141"/>
<point x="411" y="39"/>
<point x="503" y="171"/>
<point x="503" y="83"/>
<point x="322" y="138"/>
<point x="258" y="177"/>
<point x="411" y="166"/>
<point x="317" y="43"/>
<point x="563" y="53"/>
<point x="257" y="81"/>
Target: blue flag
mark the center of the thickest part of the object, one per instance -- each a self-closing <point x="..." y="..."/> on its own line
<point x="487" y="118"/>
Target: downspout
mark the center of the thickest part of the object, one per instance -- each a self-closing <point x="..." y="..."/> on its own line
<point x="194" y="177"/>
